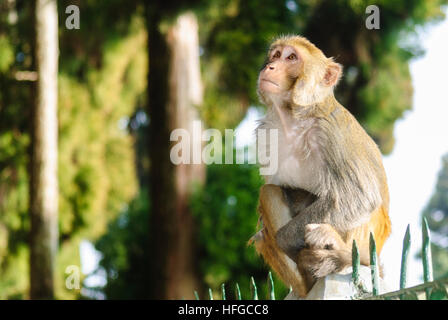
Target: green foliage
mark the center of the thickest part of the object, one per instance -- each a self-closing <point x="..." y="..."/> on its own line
<point x="440" y="261"/>
<point x="382" y="105"/>
<point x="15" y="99"/>
<point x="436" y="212"/>
<point x="97" y="162"/>
<point x="377" y="87"/>
<point x="6" y="53"/>
<point x="235" y="36"/>
<point x="125" y="251"/>
<point x="226" y="216"/>
<point x="102" y="79"/>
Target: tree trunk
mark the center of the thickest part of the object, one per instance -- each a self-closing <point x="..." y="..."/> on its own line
<point x="174" y="90"/>
<point x="44" y="157"/>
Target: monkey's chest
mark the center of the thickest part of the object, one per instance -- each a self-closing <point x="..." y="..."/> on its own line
<point x="298" y="161"/>
<point x="294" y="173"/>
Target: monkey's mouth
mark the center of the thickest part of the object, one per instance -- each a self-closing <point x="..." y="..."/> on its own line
<point x="270" y="82"/>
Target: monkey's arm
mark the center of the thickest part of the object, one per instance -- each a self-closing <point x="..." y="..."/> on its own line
<point x="343" y="214"/>
<point x="347" y="193"/>
<point x="274" y="214"/>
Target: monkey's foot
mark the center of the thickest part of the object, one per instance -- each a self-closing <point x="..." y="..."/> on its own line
<point x="320" y="262"/>
<point x="323" y="236"/>
<point x="325" y="251"/>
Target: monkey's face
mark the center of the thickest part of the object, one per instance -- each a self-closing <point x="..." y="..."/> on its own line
<point x="281" y="71"/>
<point x="297" y="73"/>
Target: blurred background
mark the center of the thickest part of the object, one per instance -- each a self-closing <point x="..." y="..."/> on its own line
<point x="132" y="225"/>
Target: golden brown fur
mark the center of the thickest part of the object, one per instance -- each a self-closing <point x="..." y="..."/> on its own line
<point x="327" y="155"/>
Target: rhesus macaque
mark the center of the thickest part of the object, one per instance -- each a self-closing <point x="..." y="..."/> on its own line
<point x="330" y="187"/>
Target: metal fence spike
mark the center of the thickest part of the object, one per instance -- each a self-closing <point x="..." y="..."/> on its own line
<point x="210" y="293"/>
<point x="405" y="257"/>
<point x="253" y="289"/>
<point x="426" y="255"/>
<point x="238" y="291"/>
<point x="223" y="292"/>
<point x="374" y="265"/>
<point x="426" y="252"/>
<point x="355" y="263"/>
<point x="271" y="286"/>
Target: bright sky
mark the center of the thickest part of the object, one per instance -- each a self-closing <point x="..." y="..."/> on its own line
<point x="421" y="140"/>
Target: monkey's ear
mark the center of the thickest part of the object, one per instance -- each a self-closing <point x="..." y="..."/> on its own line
<point x="332" y="74"/>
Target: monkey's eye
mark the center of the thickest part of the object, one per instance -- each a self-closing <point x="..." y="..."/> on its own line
<point x="292" y="56"/>
<point x="276" y="54"/>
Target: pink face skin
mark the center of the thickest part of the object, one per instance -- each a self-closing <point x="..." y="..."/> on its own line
<point x="281" y="71"/>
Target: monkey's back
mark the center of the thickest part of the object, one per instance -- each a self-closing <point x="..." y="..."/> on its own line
<point x="368" y="152"/>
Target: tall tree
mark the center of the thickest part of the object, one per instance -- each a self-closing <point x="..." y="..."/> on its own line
<point x="44" y="182"/>
<point x="174" y="88"/>
<point x="185" y="96"/>
<point x="101" y="80"/>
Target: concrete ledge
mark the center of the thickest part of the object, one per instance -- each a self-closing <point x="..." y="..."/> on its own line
<point x="339" y="286"/>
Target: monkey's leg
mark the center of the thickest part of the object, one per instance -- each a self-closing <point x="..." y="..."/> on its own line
<point x="275" y="214"/>
<point x="280" y="263"/>
<point x="296" y="200"/>
<point x="291" y="237"/>
<point x="325" y="252"/>
<point x="379" y="224"/>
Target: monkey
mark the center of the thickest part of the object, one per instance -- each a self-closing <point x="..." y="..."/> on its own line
<point x="330" y="187"/>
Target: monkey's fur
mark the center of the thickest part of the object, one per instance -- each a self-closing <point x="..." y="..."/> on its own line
<point x="330" y="187"/>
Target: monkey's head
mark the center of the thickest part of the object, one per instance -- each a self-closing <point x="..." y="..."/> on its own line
<point x="296" y="72"/>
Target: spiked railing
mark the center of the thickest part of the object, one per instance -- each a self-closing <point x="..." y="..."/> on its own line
<point x="429" y="290"/>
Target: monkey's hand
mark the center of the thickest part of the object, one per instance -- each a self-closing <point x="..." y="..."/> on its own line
<point x="325" y="252"/>
<point x="289" y="243"/>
